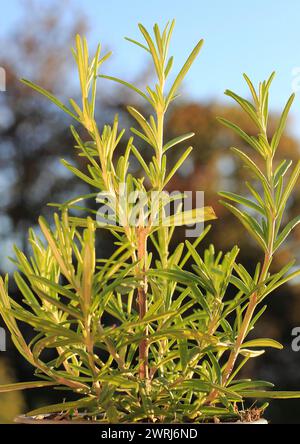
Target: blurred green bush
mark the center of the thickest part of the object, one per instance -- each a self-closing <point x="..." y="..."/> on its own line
<point x="11" y="404"/>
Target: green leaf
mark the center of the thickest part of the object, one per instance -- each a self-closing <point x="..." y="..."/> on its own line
<point x="271" y="288"/>
<point x="277" y="136"/>
<point x="80" y="174"/>
<point x="250" y="385"/>
<point x="25" y="386"/>
<point x="216" y="367"/>
<point x="247" y="106"/>
<point x="137" y="43"/>
<point x="252" y="89"/>
<point x="257" y="317"/>
<point x="53" y="245"/>
<point x="285" y="232"/>
<point x="152" y="50"/>
<point x="201" y="299"/>
<point x="251" y="353"/>
<point x="252" y="166"/>
<point x="290" y="186"/>
<point x="146" y="320"/>
<point x="140" y="159"/>
<point x="183" y="72"/>
<point x="178" y="165"/>
<point x="239" y="284"/>
<point x="55" y="287"/>
<point x="177" y="140"/>
<point x="169" y="66"/>
<point x="119" y="381"/>
<point x="210" y="411"/>
<point x="55" y="302"/>
<point x="281" y="170"/>
<point x="71" y="202"/>
<point x="62" y="407"/>
<point x="242" y="201"/>
<point x="189" y="217"/>
<point x="257" y="394"/>
<point x="255" y="194"/>
<point x="26" y="291"/>
<point x="195" y="244"/>
<point x="264" y="342"/>
<point x="250" y="140"/>
<point x="89" y="263"/>
<point x="51" y="97"/>
<point x="183" y="353"/>
<point x="206" y="387"/>
<point x="128" y="85"/>
<point x="249" y="223"/>
<point x="184" y="277"/>
<point x="143" y="124"/>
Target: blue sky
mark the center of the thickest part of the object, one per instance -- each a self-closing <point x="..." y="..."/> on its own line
<point x="253" y="36"/>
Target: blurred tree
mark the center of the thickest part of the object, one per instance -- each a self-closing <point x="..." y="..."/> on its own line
<point x="12" y="404"/>
<point x="34" y="135"/>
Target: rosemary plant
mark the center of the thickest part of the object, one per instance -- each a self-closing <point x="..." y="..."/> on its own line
<point x="149" y="334"/>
